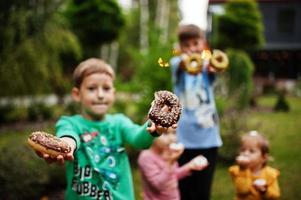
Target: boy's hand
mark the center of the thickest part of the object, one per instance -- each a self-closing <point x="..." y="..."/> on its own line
<point x="198" y="163"/>
<point x="60" y="160"/>
<point x="153" y="128"/>
<point x="211" y="69"/>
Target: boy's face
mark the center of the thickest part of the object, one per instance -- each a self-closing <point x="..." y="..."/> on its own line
<point x="192" y="45"/>
<point x="96" y="95"/>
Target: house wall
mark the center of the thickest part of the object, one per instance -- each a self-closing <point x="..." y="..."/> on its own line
<point x="282" y="21"/>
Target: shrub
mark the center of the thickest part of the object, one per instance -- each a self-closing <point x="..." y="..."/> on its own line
<point x="233" y="124"/>
<point x="240" y="72"/>
<point x="23" y="175"/>
<point x="11" y="113"/>
<point x="72" y="108"/>
<point x="39" y="111"/>
<point x="281" y="104"/>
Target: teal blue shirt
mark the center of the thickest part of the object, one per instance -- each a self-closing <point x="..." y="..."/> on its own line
<point x="101" y="168"/>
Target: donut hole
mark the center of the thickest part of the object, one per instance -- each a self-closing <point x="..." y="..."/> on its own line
<point x="194" y="63"/>
<point x="219" y="58"/>
<point x="166" y="108"/>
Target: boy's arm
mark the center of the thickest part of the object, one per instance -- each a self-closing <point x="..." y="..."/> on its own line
<point x="135" y="135"/>
<point x="64" y="130"/>
<point x="140" y="136"/>
<point x="175" y="67"/>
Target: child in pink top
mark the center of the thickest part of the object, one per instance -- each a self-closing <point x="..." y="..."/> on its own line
<point x="160" y="171"/>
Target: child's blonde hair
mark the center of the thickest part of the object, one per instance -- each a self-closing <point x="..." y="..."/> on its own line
<point x="91" y="66"/>
<point x="262" y="142"/>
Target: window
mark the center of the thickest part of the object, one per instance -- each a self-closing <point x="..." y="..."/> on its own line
<point x="286" y="20"/>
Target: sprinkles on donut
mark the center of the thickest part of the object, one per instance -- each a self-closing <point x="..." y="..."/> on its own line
<point x="165" y="109"/>
<point x="48" y="144"/>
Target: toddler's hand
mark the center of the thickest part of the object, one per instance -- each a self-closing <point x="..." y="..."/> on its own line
<point x="198" y="163"/>
<point x="60" y="160"/>
<point x="260" y="185"/>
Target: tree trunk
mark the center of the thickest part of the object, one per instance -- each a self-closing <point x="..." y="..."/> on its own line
<point x="144" y="17"/>
<point x="162" y="18"/>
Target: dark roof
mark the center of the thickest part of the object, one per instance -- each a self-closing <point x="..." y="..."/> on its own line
<point x="259" y="1"/>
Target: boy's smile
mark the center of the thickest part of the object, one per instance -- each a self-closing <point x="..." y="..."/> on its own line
<point x="96" y="95"/>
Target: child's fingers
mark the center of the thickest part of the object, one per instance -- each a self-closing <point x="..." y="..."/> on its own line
<point x="211" y="69"/>
<point x="60" y="160"/>
<point x="48" y="159"/>
<point x="69" y="156"/>
<point x="151" y="129"/>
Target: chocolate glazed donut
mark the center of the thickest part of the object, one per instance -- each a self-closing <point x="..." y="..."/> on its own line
<point x="166" y="109"/>
<point x="47" y="143"/>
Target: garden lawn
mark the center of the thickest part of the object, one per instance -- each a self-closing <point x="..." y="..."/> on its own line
<point x="284" y="132"/>
<point x="282" y="129"/>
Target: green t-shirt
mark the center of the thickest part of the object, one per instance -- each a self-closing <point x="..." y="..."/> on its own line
<point x="101" y="168"/>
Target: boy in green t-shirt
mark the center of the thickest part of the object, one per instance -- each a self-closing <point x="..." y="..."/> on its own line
<point x="98" y="166"/>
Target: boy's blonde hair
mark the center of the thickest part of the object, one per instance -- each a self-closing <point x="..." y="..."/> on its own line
<point x="190" y="31"/>
<point x="91" y="66"/>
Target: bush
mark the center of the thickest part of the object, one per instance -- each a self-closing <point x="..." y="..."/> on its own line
<point x="39" y="111"/>
<point x="233" y="124"/>
<point x="10" y="113"/>
<point x="240" y="27"/>
<point x="282" y="104"/>
<point x="23" y="175"/>
<point x="72" y="108"/>
<point x="240" y="74"/>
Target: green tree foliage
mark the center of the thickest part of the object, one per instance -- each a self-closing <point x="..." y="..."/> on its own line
<point x="240" y="83"/>
<point x="95" y="22"/>
<point x="140" y="70"/>
<point x="36" y="45"/>
<point x="241" y="26"/>
<point x="150" y="76"/>
<point x="238" y="30"/>
<point x="241" y="29"/>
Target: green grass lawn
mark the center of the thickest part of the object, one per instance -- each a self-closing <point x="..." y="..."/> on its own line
<point x="284" y="132"/>
<point x="282" y="129"/>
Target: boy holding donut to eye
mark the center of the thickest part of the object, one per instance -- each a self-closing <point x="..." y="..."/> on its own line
<point x="97" y="166"/>
<point x="198" y="127"/>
